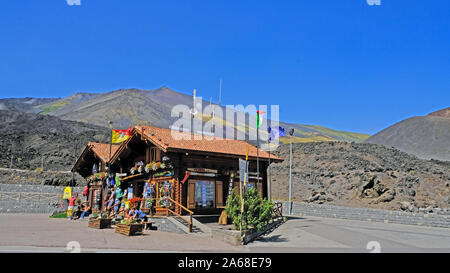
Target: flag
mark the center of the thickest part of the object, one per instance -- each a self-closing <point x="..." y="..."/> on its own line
<point x="259" y="118"/>
<point x="119" y="136"/>
<point x="243" y="169"/>
<point x="276" y="132"/>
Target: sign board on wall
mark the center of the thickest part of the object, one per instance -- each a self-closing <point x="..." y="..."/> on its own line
<point x="202" y="170"/>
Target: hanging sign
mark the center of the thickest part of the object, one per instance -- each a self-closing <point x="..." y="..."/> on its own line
<point x="243" y="167"/>
<point x="254" y="177"/>
<point x="204" y="174"/>
<point x="202" y="170"/>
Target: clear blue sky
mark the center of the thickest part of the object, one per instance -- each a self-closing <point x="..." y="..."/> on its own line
<point x="341" y="64"/>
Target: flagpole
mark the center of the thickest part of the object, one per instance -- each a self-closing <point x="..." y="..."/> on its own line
<point x="104" y="190"/>
<point x="243" y="189"/>
<point x="110" y="147"/>
<point x="269" y="190"/>
<point x="258" y="123"/>
<point x="291" y="132"/>
<point x="257" y="155"/>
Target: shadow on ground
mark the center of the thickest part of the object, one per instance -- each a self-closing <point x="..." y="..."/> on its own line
<point x="271" y="239"/>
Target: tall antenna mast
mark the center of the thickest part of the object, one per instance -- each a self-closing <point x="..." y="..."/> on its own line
<point x="220" y="92"/>
<point x="193" y="111"/>
<point x="210" y="103"/>
<point x="214" y="109"/>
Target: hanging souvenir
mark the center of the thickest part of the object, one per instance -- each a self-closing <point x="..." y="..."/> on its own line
<point x="97" y="199"/>
<point x="119" y="193"/>
<point x="85" y="191"/>
<point x="148" y="190"/>
<point x="117" y="180"/>
<point x="130" y="193"/>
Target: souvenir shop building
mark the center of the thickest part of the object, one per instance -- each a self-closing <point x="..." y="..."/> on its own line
<point x="92" y="165"/>
<point x="197" y="174"/>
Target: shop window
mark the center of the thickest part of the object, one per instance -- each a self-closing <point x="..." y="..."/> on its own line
<point x="204" y="194"/>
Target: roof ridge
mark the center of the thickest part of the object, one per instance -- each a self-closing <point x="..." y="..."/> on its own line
<point x="164" y="137"/>
<point x="198" y="134"/>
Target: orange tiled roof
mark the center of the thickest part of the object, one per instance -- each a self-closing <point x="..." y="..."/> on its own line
<point x="102" y="150"/>
<point x="165" y="139"/>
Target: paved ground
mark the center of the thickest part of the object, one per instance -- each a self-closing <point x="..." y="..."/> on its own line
<point x="314" y="234"/>
<point x="38" y="233"/>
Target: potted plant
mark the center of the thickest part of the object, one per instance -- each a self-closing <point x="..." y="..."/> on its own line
<point x="134" y="202"/>
<point x="129" y="228"/>
<point x="99" y="221"/>
<point x="133" y="170"/>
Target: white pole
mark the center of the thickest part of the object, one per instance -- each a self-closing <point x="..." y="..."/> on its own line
<point x="290" y="175"/>
<point x="269" y="190"/>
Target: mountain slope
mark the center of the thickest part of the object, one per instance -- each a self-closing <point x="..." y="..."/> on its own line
<point x="445" y="113"/>
<point x="26" y="105"/>
<point x="128" y="107"/>
<point x="123" y="107"/>
<point x="68" y="104"/>
<point x="427" y="137"/>
<point x="31" y="138"/>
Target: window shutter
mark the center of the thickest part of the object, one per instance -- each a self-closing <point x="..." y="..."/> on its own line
<point x="219" y="193"/>
<point x="191" y="195"/>
<point x="157" y="154"/>
<point x="147" y="155"/>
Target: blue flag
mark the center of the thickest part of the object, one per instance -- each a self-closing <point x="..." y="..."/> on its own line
<point x="276" y="132"/>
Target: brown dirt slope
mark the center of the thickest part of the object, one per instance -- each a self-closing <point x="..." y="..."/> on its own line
<point x="441" y="113"/>
<point x="427" y="137"/>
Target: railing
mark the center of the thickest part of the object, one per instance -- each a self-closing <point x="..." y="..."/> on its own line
<point x="189" y="222"/>
<point x="30" y="196"/>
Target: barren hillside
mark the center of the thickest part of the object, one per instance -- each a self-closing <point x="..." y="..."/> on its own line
<point x="361" y="175"/>
<point x="31" y="138"/>
<point x="427" y="137"/>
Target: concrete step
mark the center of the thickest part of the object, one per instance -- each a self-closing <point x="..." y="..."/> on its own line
<point x="198" y="228"/>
